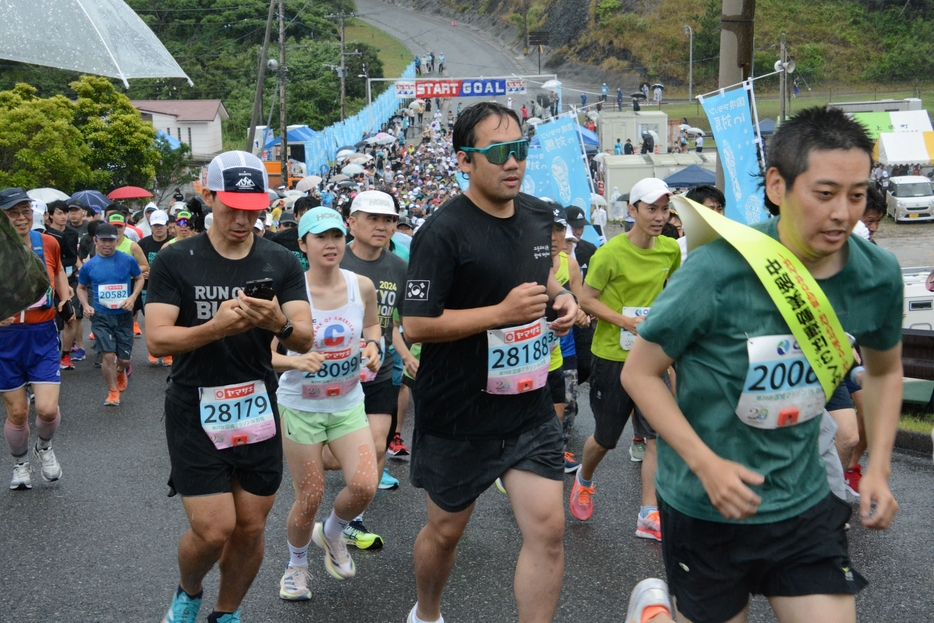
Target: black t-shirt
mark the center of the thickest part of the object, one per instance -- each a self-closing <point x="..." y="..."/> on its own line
<point x="68" y="241"/>
<point x="192" y="276"/>
<point x="582" y="253"/>
<point x="288" y="238"/>
<point x="387" y="272"/>
<point x="464" y="258"/>
<point x="151" y="247"/>
<point x="80" y="231"/>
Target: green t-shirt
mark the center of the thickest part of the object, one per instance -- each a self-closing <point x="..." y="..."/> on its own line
<point x="628" y="276"/>
<point x="703" y="320"/>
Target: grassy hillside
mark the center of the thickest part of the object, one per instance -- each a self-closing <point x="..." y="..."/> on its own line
<point x="833" y="41"/>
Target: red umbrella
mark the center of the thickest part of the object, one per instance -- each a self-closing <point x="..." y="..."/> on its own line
<point x="129" y="192"/>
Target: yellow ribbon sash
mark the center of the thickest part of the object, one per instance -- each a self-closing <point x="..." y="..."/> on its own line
<point x="799" y="299"/>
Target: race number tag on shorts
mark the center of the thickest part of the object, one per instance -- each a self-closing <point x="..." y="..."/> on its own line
<point x="781" y="388"/>
<point x="112" y="295"/>
<point x="518" y="358"/>
<point x="627" y="339"/>
<point x="238" y="414"/>
<point x="339" y="374"/>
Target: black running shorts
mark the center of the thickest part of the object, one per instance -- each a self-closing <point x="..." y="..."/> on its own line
<point x="611" y="405"/>
<point x="556" y="386"/>
<point x="713" y="567"/>
<point x="198" y="468"/>
<point x="455" y="472"/>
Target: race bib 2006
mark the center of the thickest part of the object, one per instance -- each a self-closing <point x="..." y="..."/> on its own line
<point x="518" y="358"/>
<point x="781" y="389"/>
<point x="237" y="415"/>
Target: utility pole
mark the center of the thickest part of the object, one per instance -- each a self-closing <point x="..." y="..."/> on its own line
<point x="690" y="33"/>
<point x="283" y="124"/>
<point x="342" y="70"/>
<point x="783" y="79"/>
<point x="737" y="29"/>
<point x="260" y="80"/>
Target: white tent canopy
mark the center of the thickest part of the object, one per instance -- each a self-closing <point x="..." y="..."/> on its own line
<point x="905" y="148"/>
<point x="102" y="37"/>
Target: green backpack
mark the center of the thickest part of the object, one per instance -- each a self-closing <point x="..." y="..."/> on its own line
<point x="25" y="278"/>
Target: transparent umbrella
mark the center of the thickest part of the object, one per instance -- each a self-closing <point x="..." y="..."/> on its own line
<point x="102" y="37"/>
<point x="47" y="194"/>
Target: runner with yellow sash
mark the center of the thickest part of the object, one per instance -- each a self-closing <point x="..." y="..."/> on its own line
<point x="757" y="324"/>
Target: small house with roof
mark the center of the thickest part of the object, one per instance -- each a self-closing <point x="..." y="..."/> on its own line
<point x="196" y="123"/>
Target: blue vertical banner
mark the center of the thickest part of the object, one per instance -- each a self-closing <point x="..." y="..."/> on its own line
<point x="562" y="166"/>
<point x="730" y="119"/>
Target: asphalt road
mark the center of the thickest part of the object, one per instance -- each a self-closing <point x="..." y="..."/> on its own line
<point x="100" y="544"/>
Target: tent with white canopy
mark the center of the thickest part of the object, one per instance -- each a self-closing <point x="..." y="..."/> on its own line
<point x="904" y="148"/>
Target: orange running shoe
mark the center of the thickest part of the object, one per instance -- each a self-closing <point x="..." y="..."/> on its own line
<point x="121" y="381"/>
<point x="581" y="503"/>
<point x="152" y="360"/>
<point x="649" y="527"/>
<point x="113" y="399"/>
<point x="167" y="361"/>
<point x="136" y="330"/>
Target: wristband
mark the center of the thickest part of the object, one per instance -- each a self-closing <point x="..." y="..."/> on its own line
<point x="379" y="347"/>
<point x="855" y="371"/>
<point x="567" y="292"/>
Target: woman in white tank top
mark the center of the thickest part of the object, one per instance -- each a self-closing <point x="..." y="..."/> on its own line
<point x="321" y="402"/>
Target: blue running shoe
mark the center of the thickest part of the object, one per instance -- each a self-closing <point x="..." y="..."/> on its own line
<point x="388" y="482"/>
<point x="78" y="355"/>
<point x="184" y="608"/>
<point x="227" y="617"/>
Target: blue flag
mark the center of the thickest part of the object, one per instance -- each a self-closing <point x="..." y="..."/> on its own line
<point x="731" y="120"/>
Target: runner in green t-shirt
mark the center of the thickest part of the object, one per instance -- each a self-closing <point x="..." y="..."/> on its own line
<point x="786" y="536"/>
<point x="625" y="276"/>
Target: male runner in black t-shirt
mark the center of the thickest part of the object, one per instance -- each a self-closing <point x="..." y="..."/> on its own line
<point x="476" y="294"/>
<point x="197" y="311"/>
<point x="151" y="245"/>
<point x="373" y="216"/>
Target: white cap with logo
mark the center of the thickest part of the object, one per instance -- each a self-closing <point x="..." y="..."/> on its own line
<point x="649" y="190"/>
<point x="373" y="202"/>
<point x="240" y="180"/>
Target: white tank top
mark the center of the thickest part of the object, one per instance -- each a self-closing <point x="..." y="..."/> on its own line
<point x="336" y="386"/>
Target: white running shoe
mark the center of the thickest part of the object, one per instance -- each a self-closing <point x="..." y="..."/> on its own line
<point x="648" y="592"/>
<point x="337" y="559"/>
<point x="294" y="584"/>
<point x="51" y="470"/>
<point x="22" y="479"/>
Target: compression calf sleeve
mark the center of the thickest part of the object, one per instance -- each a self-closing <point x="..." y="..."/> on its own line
<point x="47" y="429"/>
<point x="17" y="438"/>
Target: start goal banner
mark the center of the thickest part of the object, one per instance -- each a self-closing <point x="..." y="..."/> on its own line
<point x="468" y="87"/>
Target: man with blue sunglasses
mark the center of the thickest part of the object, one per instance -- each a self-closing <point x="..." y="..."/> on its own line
<point x="477" y="292"/>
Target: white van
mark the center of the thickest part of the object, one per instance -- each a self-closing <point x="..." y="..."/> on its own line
<point x="910" y="198"/>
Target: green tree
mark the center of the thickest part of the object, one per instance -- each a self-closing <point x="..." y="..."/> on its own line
<point x="122" y="145"/>
<point x="39" y="145"/>
<point x="172" y="169"/>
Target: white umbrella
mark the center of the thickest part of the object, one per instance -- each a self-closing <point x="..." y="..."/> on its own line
<point x="352" y="169"/>
<point x="593" y="114"/>
<point x="296" y="193"/>
<point x="114" y="41"/>
<point x="385" y="140"/>
<point x="308" y="183"/>
<point x="551" y="84"/>
<point x="597" y="199"/>
<point x="47" y="195"/>
<point x="345" y="154"/>
<point x="534" y="121"/>
<point x="339" y="178"/>
<point x="360" y="158"/>
<point x="684" y="126"/>
<point x="696" y="131"/>
<point x="417" y="104"/>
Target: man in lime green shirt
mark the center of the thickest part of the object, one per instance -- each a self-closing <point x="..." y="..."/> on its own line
<point x="625" y="276"/>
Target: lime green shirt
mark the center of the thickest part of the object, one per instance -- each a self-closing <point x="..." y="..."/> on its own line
<point x="628" y="276"/>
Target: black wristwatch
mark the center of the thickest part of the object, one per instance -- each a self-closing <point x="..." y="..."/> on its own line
<point x="286" y="330"/>
<point x="566" y="292"/>
<point x="379" y="347"/>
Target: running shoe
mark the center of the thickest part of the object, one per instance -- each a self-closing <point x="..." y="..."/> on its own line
<point x="167" y="361"/>
<point x="852" y="477"/>
<point x="649" y="527"/>
<point x="411" y="617"/>
<point x="647" y="593"/>
<point x="113" y="399"/>
<point x="136" y="330"/>
<point x="570" y="465"/>
<point x="121" y="381"/>
<point x="91" y="336"/>
<point x="637" y="451"/>
<point x="388" y="481"/>
<point x="153" y="361"/>
<point x="78" y="354"/>
<point x="66" y="363"/>
<point x="294" y="584"/>
<point x="500" y="487"/>
<point x="22" y="479"/>
<point x="184" y="609"/>
<point x="227" y="617"/>
<point x="581" y="503"/>
<point x="397" y="449"/>
<point x="359" y="536"/>
<point x="51" y="470"/>
<point x="337" y="559"/>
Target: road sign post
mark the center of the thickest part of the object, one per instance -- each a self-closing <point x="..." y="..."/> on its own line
<point x="539" y="38"/>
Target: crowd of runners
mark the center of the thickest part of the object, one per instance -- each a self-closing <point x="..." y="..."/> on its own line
<point x="739" y="364"/>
